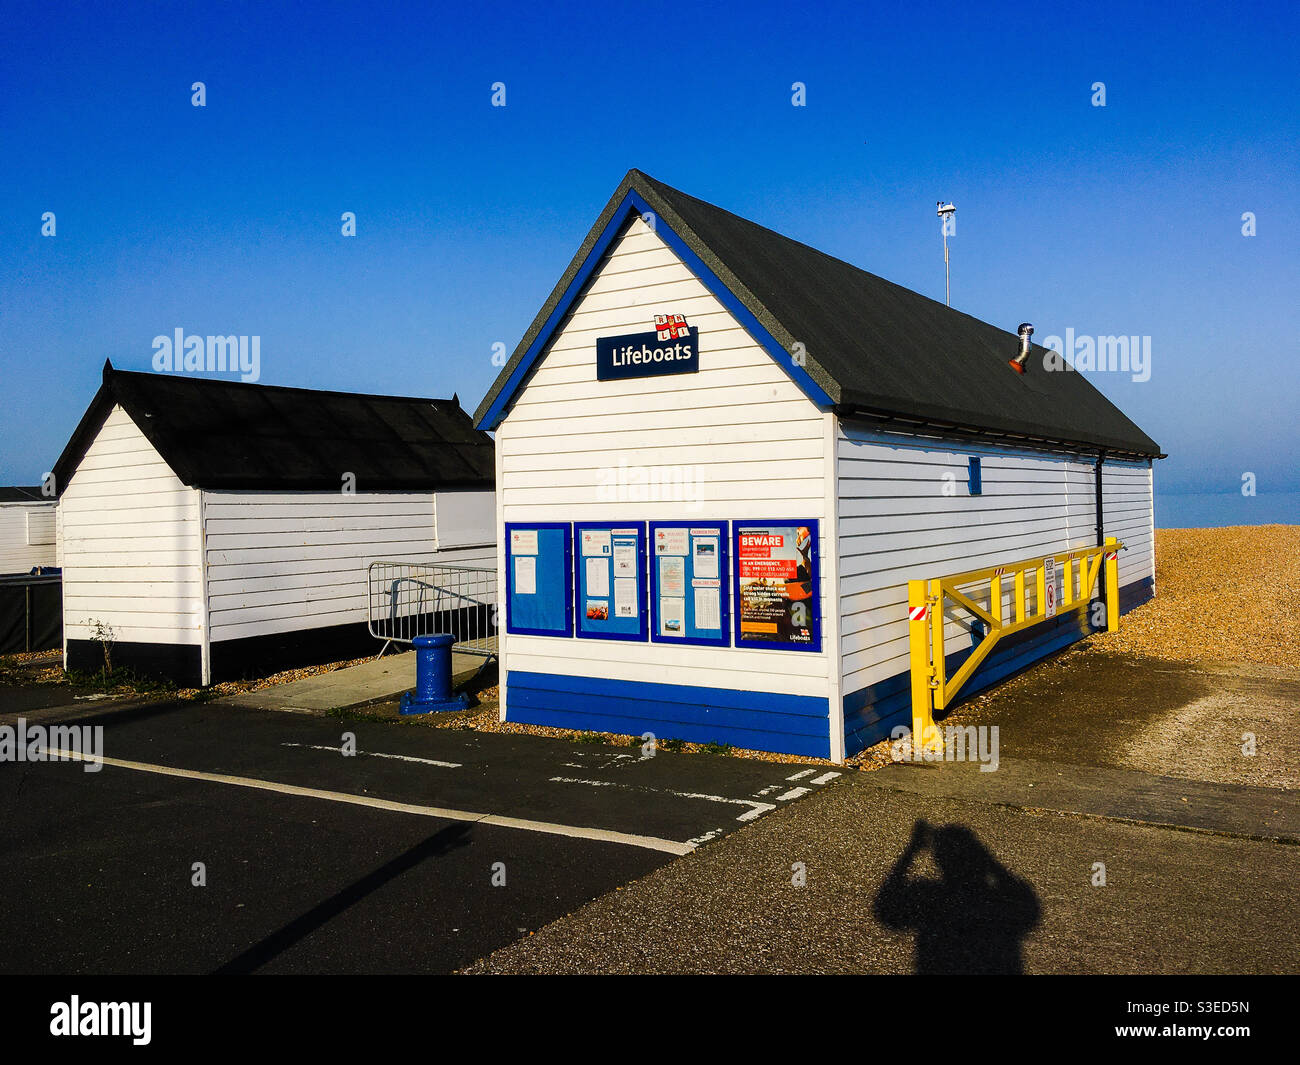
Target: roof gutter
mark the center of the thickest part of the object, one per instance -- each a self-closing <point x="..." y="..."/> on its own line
<point x="1043" y="443"/>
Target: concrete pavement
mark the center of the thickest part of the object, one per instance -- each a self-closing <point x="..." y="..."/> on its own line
<point x="375" y="681"/>
<point x="1020" y="895"/>
<point x="1126" y="830"/>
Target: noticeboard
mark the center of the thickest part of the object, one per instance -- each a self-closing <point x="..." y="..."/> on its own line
<point x="609" y="562"/>
<point x="539" y="578"/>
<point x="689" y="583"/>
<point x="776" y="584"/>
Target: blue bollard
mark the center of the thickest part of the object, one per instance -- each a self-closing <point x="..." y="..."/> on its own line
<point x="432" y="693"/>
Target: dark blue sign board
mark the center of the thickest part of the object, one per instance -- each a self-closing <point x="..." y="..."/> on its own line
<point x="645" y="355"/>
<point x="539" y="578"/>
<point x="609" y="561"/>
<point x="690" y="583"/>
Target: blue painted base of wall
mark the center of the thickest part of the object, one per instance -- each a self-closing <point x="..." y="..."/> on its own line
<point x="760" y="721"/>
<point x="872" y="713"/>
<point x="763" y="721"/>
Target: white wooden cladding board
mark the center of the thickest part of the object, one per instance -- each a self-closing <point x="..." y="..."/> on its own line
<point x="1127" y="502"/>
<point x="897" y="523"/>
<point x="738" y="439"/>
<point x="285" y="561"/>
<point x="17" y="523"/>
<point x="129" y="543"/>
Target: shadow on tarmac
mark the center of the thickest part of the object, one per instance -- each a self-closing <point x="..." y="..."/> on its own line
<point x="440" y="843"/>
<point x="973" y="918"/>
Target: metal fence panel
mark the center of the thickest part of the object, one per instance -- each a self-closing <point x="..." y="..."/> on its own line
<point x="31" y="613"/>
<point x="410" y="599"/>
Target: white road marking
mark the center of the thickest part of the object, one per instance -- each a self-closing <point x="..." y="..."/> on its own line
<point x="825" y="778"/>
<point x="793" y="793"/>
<point x="711" y="834"/>
<point x="800" y="776"/>
<point x="376" y="754"/>
<point x="601" y="835"/>
<point x="755" y="808"/>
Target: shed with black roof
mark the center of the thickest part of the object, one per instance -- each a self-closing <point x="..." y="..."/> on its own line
<point x="220" y="529"/>
<point x="721" y="456"/>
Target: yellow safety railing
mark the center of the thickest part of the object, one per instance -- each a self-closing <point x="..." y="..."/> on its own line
<point x="932" y="689"/>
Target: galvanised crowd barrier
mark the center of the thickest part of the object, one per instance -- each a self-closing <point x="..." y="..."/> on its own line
<point x="410" y="599"/>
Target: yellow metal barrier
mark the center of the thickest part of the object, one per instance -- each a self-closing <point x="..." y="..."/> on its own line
<point x="932" y="689"/>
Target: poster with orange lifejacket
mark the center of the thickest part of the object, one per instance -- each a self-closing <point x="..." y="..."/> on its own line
<point x="776" y="585"/>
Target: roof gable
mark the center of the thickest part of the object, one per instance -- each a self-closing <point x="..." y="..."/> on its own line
<point x="227" y="434"/>
<point x="868" y="346"/>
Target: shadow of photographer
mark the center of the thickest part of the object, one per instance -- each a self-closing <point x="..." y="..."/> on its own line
<point x="973" y="918"/>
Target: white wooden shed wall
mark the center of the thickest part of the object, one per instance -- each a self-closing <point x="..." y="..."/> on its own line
<point x="897" y="522"/>
<point x="906" y="513"/>
<point x="284" y="561"/>
<point x="739" y="431"/>
<point x="1128" y="502"/>
<point x="130" y="543"/>
<point x="27" y="536"/>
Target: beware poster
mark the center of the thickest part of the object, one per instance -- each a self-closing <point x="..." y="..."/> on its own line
<point x="776" y="578"/>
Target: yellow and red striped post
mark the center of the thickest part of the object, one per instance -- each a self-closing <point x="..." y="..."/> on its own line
<point x="925" y="736"/>
<point x="1111" y="565"/>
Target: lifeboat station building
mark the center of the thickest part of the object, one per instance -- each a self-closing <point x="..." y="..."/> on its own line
<point x="720" y="457"/>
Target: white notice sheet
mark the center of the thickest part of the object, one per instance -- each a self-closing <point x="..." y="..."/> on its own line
<point x="671" y="541"/>
<point x="625" y="559"/>
<point x="708" y="609"/>
<point x="525" y="574"/>
<point x="672" y="617"/>
<point x="706" y="556"/>
<point x="595" y="542"/>
<point x="625" y="597"/>
<point x="598" y="577"/>
<point x="672" y="575"/>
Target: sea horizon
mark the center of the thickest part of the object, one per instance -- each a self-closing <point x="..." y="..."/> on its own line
<point x="1215" y="510"/>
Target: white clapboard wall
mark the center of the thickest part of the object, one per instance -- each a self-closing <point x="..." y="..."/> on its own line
<point x="897" y="522"/>
<point x="130" y="543"/>
<point x="739" y="435"/>
<point x="27" y="536"/>
<point x="285" y="561"/>
<point x="1127" y="501"/>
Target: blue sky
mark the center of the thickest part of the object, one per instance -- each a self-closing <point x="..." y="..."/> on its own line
<point x="1123" y="219"/>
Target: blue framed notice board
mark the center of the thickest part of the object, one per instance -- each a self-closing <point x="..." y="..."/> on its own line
<point x="690" y="583"/>
<point x="609" y="563"/>
<point x="539" y="578"/>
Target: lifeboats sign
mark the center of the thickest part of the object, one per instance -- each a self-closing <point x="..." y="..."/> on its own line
<point x="672" y="347"/>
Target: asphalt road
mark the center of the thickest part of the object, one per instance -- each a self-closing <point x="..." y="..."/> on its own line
<point x="358" y="872"/>
<point x="19" y="699"/>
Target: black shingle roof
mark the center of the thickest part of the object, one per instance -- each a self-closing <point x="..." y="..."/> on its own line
<point x="23" y="494"/>
<point x="226" y="434"/>
<point x="876" y="348"/>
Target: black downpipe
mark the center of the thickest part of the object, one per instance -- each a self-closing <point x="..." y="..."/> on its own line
<point x="1101" y="524"/>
